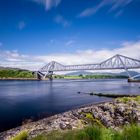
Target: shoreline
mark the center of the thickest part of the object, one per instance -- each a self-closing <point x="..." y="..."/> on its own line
<point x="19" y="79"/>
<point x="75" y="108"/>
<point x="8" y="134"/>
<point x="35" y="79"/>
<point x="109" y="114"/>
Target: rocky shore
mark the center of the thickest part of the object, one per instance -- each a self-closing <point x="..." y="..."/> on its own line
<point x="115" y="114"/>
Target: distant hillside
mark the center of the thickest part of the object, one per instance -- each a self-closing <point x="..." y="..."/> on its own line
<point x="15" y="73"/>
<point x="78" y="73"/>
<point x="10" y="68"/>
<point x="132" y="73"/>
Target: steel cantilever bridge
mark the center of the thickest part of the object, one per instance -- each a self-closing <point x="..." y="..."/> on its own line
<point x="115" y="62"/>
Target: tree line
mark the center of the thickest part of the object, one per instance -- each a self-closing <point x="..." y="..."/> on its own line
<point x="9" y="73"/>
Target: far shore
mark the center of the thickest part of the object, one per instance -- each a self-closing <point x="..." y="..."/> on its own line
<point x="20" y="79"/>
<point x="67" y="78"/>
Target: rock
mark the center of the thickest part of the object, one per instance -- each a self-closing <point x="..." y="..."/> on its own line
<point x="62" y="126"/>
<point x="65" y="126"/>
<point x="69" y="126"/>
<point x="86" y="110"/>
<point x="81" y="116"/>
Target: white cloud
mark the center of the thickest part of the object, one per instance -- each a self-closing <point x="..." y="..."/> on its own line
<point x="130" y="49"/>
<point x="114" y="4"/>
<point x="15" y="59"/>
<point x="48" y="3"/>
<point x="21" y="25"/>
<point x="120" y="4"/>
<point x="61" y="20"/>
<point x="93" y="10"/>
<point x="70" y="43"/>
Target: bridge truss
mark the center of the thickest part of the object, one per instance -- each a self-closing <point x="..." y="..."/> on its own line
<point x="115" y="62"/>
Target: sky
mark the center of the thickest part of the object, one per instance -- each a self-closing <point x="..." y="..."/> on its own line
<point x="35" y="32"/>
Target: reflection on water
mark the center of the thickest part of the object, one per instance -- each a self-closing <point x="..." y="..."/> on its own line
<point x="20" y="100"/>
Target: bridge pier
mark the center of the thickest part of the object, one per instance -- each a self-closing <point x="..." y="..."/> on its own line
<point x="50" y="78"/>
<point x="133" y="80"/>
<point x="39" y="77"/>
<point x="50" y="75"/>
<point x="130" y="79"/>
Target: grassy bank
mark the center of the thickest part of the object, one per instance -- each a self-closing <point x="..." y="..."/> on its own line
<point x="89" y="76"/>
<point x="13" y="73"/>
<point x="89" y="133"/>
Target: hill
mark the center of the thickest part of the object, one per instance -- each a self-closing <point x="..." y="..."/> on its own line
<point x="132" y="73"/>
<point x="78" y="73"/>
<point x="14" y="73"/>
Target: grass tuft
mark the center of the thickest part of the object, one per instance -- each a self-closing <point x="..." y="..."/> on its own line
<point x="21" y="136"/>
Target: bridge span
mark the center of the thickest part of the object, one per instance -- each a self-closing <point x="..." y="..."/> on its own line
<point x="115" y="62"/>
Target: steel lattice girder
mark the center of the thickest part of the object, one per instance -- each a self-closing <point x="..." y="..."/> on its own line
<point x="115" y="62"/>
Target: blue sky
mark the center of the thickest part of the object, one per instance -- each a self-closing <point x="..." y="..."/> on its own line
<point x="63" y="30"/>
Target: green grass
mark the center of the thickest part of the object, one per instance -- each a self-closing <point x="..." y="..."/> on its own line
<point x="89" y="133"/>
<point x="40" y="137"/>
<point x="128" y="99"/>
<point x="72" y="77"/>
<point x="128" y="133"/>
<point x="88" y="76"/>
<point x="92" y="121"/>
<point x="95" y="133"/>
<point x="10" y="73"/>
<point x="21" y="136"/>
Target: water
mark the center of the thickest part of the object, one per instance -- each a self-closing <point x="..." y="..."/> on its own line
<point x="21" y="100"/>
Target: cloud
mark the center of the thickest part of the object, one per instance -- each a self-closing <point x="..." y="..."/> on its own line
<point x="70" y="43"/>
<point x="15" y="59"/>
<point x="120" y="4"/>
<point x="21" y="25"/>
<point x="48" y="3"/>
<point x="113" y="4"/>
<point x="93" y="10"/>
<point x="62" y="21"/>
<point x="130" y="49"/>
<point x="119" y="13"/>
